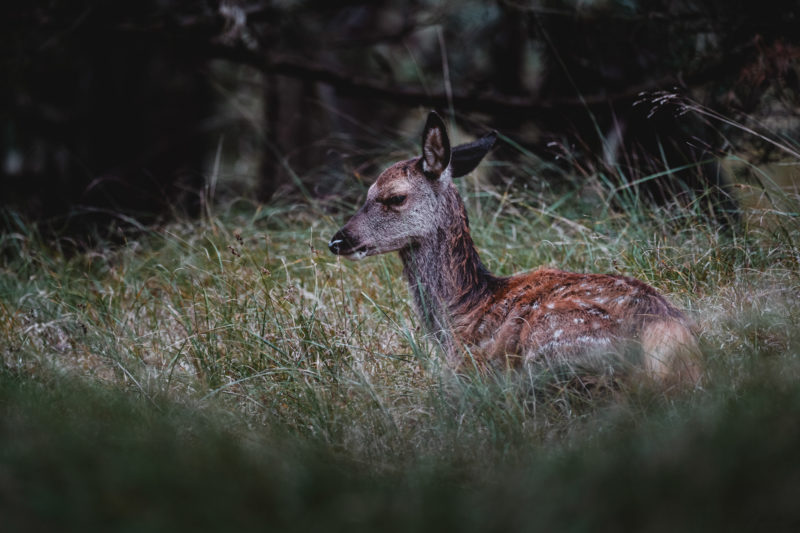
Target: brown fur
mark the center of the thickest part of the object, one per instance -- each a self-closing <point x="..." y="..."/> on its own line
<point x="544" y="315"/>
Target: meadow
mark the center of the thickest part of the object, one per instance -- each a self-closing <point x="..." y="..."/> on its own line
<point x="230" y="373"/>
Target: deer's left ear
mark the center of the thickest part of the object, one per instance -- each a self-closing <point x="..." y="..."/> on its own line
<point x="467" y="156"/>
<point x="435" y="146"/>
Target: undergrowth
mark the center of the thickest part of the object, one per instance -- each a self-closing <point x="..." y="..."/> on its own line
<point x="237" y="349"/>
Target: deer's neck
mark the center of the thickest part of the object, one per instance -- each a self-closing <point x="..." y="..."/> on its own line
<point x="444" y="271"/>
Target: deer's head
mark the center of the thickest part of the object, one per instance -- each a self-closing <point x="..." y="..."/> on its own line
<point x="404" y="205"/>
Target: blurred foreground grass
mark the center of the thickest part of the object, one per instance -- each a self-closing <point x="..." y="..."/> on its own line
<point x="77" y="457"/>
<point x="231" y="374"/>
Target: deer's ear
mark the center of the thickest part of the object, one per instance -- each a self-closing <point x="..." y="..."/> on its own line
<point x="467" y="156"/>
<point x="435" y="146"/>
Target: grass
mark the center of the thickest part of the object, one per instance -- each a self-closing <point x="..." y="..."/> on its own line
<point x="230" y="373"/>
<point x="77" y="457"/>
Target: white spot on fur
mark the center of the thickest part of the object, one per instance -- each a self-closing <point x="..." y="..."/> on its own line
<point x="558" y="333"/>
<point x="485" y="343"/>
<point x="577" y="320"/>
<point x="586" y="339"/>
<point x="550" y="306"/>
<point x="546" y="348"/>
<point x="600" y="300"/>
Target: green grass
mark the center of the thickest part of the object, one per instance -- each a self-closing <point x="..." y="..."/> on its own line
<point x="77" y="457"/>
<point x="230" y="373"/>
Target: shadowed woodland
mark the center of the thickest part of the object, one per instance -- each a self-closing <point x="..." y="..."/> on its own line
<point x="134" y="108"/>
<point x="179" y="350"/>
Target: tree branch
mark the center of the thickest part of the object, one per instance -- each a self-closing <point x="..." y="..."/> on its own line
<point x="358" y="86"/>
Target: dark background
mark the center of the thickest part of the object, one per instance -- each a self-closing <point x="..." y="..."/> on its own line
<point x="128" y="110"/>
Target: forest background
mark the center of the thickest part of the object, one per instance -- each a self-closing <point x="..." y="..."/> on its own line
<point x="179" y="350"/>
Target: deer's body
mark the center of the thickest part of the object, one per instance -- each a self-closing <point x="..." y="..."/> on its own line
<point x="547" y="314"/>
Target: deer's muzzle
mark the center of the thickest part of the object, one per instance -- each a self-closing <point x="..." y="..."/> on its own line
<point x="343" y="244"/>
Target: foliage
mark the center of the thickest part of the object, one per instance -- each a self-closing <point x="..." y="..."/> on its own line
<point x="123" y="108"/>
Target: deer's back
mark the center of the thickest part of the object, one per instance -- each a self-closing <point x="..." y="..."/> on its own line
<point x="547" y="311"/>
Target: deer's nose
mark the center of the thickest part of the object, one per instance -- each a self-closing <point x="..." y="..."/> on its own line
<point x="341" y="243"/>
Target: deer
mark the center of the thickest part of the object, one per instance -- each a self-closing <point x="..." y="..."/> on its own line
<point x="546" y="315"/>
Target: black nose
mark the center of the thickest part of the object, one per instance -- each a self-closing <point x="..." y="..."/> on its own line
<point x="341" y="243"/>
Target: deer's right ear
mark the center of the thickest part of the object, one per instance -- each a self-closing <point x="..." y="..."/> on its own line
<point x="435" y="146"/>
<point x="467" y="156"/>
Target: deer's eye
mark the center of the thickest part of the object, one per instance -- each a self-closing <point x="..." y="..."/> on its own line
<point x="395" y="200"/>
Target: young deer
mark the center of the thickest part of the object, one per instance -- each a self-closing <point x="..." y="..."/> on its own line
<point x="545" y="315"/>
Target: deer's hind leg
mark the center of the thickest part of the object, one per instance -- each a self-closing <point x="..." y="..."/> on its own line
<point x="671" y="352"/>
